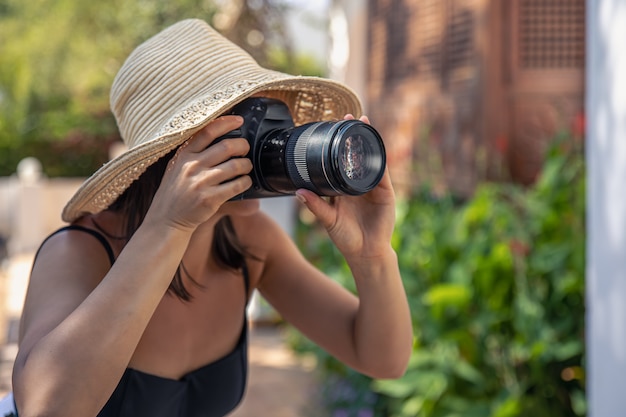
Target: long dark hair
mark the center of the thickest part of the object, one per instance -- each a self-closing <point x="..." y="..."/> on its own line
<point x="133" y="205"/>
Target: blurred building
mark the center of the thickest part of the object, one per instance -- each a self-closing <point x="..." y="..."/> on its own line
<point x="463" y="90"/>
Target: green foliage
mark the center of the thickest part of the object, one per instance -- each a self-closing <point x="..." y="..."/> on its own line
<point x="57" y="62"/>
<point x="496" y="289"/>
<point x="300" y="64"/>
<point x="58" y="59"/>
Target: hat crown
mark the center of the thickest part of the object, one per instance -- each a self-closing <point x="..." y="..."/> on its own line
<point x="185" y="62"/>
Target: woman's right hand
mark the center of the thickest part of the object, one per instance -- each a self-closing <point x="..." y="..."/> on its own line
<point x="200" y="177"/>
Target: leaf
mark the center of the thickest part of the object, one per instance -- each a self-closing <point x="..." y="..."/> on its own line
<point x="568" y="350"/>
<point x="448" y="294"/>
<point x="424" y="383"/>
<point x="466" y="371"/>
<point x="549" y="257"/>
<point x="412" y="406"/>
<point x="579" y="402"/>
<point x="396" y="388"/>
<point x="511" y="407"/>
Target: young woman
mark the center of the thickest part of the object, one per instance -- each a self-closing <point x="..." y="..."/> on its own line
<point x="137" y="308"/>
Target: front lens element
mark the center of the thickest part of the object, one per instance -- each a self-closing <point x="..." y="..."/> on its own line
<point x="353" y="158"/>
<point x="360" y="158"/>
<point x="329" y="158"/>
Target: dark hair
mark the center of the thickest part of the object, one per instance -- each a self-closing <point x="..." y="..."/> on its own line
<point x="134" y="203"/>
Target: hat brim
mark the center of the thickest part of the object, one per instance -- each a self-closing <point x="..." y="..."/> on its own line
<point x="309" y="99"/>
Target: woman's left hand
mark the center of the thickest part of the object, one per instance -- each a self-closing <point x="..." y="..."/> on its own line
<point x="360" y="226"/>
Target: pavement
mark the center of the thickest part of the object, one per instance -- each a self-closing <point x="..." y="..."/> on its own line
<point x="279" y="383"/>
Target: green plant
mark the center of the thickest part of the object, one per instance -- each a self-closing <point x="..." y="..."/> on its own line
<point x="496" y="289"/>
<point x="58" y="60"/>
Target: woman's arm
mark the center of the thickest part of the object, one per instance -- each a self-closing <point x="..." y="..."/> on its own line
<point x="78" y="333"/>
<point x="371" y="333"/>
<point x="82" y="321"/>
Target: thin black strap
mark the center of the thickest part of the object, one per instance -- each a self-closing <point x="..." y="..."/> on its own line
<point x="92" y="232"/>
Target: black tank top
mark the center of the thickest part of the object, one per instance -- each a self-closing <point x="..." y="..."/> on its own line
<point x="210" y="391"/>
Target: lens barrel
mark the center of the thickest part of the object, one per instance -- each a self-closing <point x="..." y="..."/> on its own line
<point x="335" y="158"/>
<point x="344" y="157"/>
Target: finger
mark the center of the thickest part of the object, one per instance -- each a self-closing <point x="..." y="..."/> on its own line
<point x="227" y="190"/>
<point x="229" y="170"/>
<point x="322" y="210"/>
<point x="363" y="118"/>
<point x="386" y="179"/>
<point x="218" y="127"/>
<point x="224" y="150"/>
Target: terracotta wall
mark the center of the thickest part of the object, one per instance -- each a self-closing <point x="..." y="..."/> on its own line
<point x="468" y="90"/>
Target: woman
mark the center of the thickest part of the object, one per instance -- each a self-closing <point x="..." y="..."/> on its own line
<point x="138" y="308"/>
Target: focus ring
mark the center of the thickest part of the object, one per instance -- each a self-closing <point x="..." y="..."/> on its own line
<point x="295" y="157"/>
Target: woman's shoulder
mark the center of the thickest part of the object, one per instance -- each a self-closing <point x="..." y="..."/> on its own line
<point x="259" y="230"/>
<point x="251" y="225"/>
<point x="75" y="244"/>
<point x="90" y="235"/>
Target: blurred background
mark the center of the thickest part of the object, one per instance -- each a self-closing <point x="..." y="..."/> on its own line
<point x="482" y="107"/>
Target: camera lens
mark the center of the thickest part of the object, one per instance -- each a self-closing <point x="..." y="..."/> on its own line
<point x="360" y="156"/>
<point x="329" y="158"/>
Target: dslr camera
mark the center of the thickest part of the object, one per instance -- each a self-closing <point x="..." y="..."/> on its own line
<point x="344" y="157"/>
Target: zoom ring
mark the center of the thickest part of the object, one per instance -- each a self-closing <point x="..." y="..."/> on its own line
<point x="296" y="160"/>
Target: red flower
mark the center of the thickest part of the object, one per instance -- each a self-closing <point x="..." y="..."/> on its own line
<point x="579" y="124"/>
<point x="519" y="247"/>
<point x="502" y="145"/>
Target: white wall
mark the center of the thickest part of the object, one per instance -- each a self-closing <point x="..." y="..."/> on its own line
<point x="30" y="209"/>
<point x="606" y="204"/>
<point x="347" y="59"/>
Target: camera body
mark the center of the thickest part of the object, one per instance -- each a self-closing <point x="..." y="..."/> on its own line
<point x="345" y="157"/>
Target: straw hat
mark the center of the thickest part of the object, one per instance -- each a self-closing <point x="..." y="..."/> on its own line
<point x="178" y="81"/>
